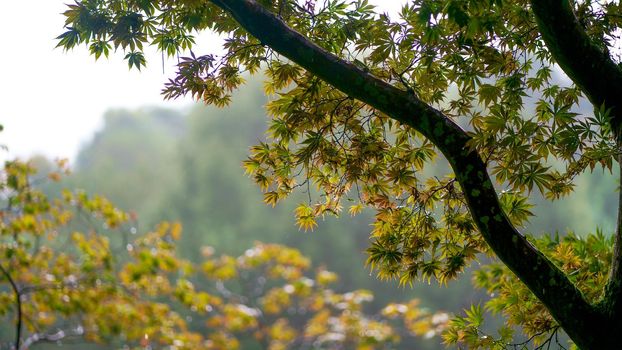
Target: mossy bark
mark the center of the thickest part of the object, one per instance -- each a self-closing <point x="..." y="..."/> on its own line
<point x="591" y="68"/>
<point x="591" y="327"/>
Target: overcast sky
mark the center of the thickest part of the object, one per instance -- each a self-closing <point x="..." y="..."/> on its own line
<point x="52" y="101"/>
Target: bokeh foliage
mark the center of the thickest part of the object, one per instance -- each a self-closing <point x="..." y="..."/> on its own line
<point x="62" y="281"/>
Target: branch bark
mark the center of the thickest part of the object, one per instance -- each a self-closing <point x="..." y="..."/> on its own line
<point x="589" y="66"/>
<point x="18" y="303"/>
<point x="612" y="301"/>
<point x="565" y="302"/>
<point x="591" y="69"/>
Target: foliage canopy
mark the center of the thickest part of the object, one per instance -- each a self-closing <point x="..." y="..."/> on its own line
<point x="363" y="102"/>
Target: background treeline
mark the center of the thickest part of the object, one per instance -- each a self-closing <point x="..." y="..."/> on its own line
<point x="186" y="166"/>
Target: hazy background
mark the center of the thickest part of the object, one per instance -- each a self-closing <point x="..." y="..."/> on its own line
<point x="52" y="101"/>
<point x="178" y="160"/>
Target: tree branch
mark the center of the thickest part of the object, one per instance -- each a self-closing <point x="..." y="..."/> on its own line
<point x="18" y="301"/>
<point x="543" y="278"/>
<point x="76" y="333"/>
<point x="612" y="300"/>
<point x="589" y="66"/>
<point x="592" y="69"/>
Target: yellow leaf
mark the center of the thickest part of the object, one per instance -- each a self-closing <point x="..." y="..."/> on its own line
<point x="355" y="209"/>
<point x="271" y="198"/>
<point x="176" y="231"/>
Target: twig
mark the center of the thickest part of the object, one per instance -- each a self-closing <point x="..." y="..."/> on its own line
<point x="18" y="299"/>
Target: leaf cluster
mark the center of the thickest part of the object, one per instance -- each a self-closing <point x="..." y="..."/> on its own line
<point x="585" y="260"/>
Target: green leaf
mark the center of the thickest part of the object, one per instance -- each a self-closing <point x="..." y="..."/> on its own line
<point x="69" y="39"/>
<point x="135" y="59"/>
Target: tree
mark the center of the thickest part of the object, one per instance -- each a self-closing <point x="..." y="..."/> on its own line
<point x="362" y="102"/>
<point x="63" y="282"/>
<point x="114" y="156"/>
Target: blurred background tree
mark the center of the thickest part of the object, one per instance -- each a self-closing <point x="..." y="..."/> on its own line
<point x="63" y="283"/>
<point x="198" y="179"/>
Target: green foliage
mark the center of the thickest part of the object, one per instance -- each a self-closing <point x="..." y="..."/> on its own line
<point x="483" y="64"/>
<point x="585" y="260"/>
<point x="136" y="59"/>
<point x="478" y="60"/>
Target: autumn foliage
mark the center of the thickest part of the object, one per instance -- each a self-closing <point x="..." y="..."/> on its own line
<point x="75" y="268"/>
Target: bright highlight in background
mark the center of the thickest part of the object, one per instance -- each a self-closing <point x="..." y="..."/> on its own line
<point x="52" y="101"/>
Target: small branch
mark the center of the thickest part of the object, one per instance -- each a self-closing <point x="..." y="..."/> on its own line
<point x="36" y="288"/>
<point x="76" y="333"/>
<point x="18" y="300"/>
<point x="552" y="330"/>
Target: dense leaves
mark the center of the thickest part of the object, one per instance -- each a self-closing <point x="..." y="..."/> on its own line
<point x="477" y="61"/>
<point x="483" y="64"/>
<point x="586" y="260"/>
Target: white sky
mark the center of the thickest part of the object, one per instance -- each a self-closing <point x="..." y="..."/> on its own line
<point x="52" y="101"/>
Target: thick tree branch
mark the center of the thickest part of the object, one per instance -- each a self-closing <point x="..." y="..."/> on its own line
<point x="591" y="69"/>
<point x="589" y="66"/>
<point x="612" y="302"/>
<point x="18" y="302"/>
<point x="545" y="280"/>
